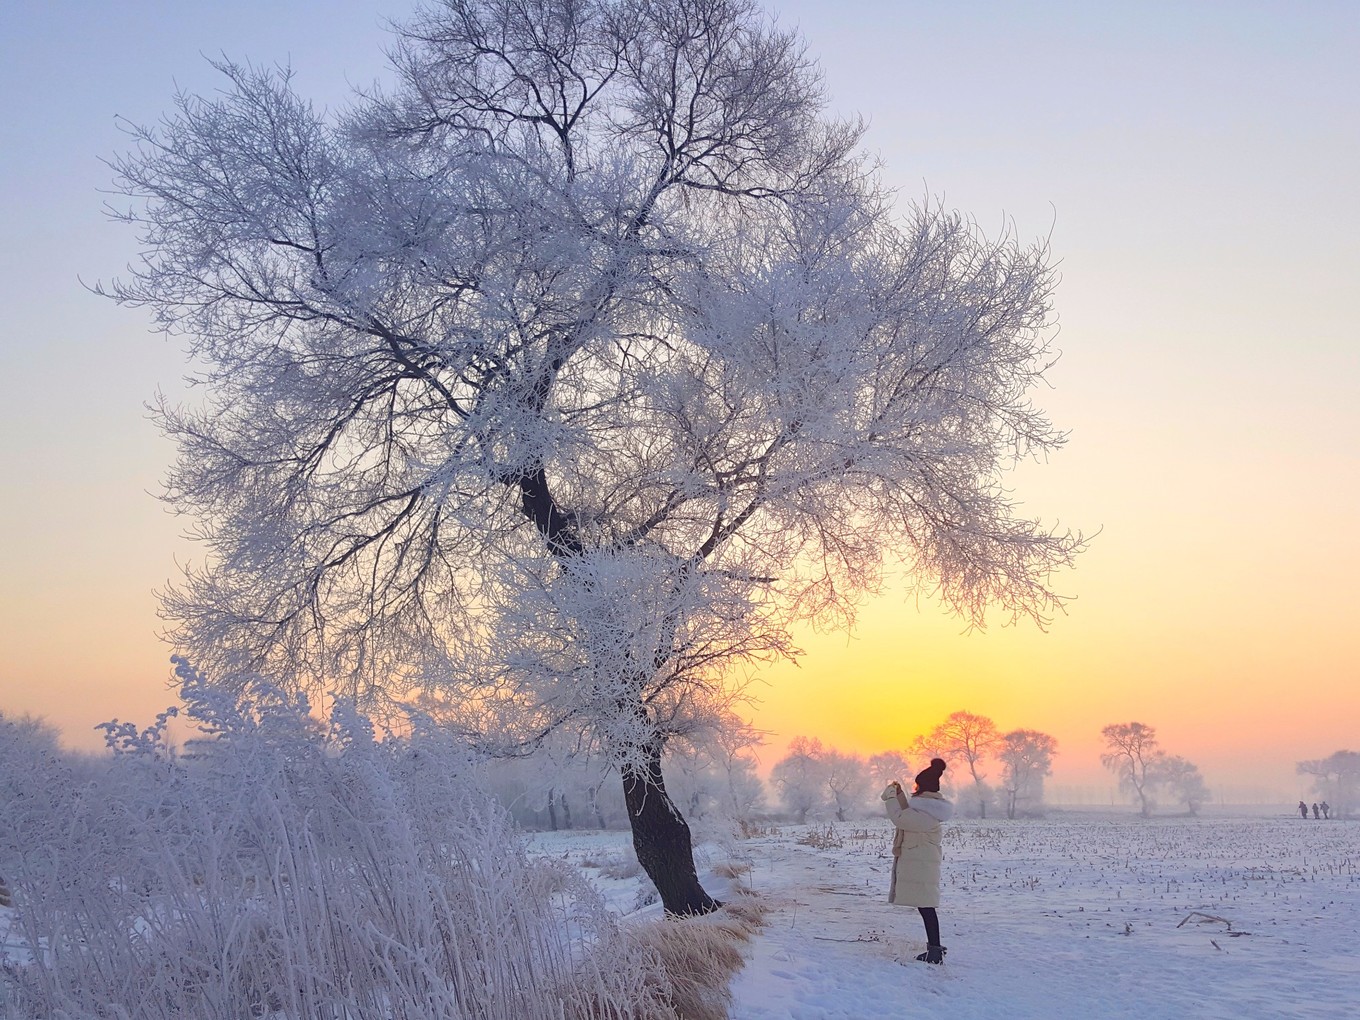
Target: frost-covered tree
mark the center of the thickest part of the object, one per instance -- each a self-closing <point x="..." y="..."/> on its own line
<point x="37" y="783"/>
<point x="732" y="748"/>
<point x="971" y="739"/>
<point x="713" y="772"/>
<point x="745" y="794"/>
<point x="888" y="766"/>
<point x="847" y="782"/>
<point x="1182" y="780"/>
<point x="800" y="777"/>
<point x="1026" y="757"/>
<point x="567" y="372"/>
<point x="1132" y="754"/>
<point x="693" y="783"/>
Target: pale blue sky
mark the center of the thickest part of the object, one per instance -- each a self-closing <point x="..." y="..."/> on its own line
<point x="1196" y="165"/>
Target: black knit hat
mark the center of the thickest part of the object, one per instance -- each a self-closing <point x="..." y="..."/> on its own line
<point x="928" y="779"/>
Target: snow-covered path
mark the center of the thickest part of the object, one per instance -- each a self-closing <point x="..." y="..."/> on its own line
<point x="1064" y="919"/>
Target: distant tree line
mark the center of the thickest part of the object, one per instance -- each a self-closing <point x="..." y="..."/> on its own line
<point x="714" y="779"/>
<point x="813" y="780"/>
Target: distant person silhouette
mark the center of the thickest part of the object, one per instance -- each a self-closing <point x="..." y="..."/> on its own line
<point x="1303" y="809"/>
<point x="1316" y="812"/>
<point x="1326" y="808"/>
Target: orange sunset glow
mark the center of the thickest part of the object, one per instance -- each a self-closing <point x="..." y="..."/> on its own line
<point x="1195" y="179"/>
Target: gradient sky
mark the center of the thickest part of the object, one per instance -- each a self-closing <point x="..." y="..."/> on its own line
<point x="1195" y="165"/>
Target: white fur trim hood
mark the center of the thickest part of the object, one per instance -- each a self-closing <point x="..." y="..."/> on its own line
<point x="932" y="804"/>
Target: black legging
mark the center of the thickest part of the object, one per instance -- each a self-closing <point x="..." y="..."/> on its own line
<point x="932" y="921"/>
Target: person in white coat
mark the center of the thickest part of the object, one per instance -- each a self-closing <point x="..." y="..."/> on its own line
<point x="917" y="852"/>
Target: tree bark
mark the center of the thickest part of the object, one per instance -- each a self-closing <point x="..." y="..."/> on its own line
<point x="662" y="840"/>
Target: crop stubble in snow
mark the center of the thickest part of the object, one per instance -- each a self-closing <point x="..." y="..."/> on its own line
<point x="1071" y="917"/>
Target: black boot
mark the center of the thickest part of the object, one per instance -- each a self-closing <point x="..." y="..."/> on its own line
<point x="933" y="954"/>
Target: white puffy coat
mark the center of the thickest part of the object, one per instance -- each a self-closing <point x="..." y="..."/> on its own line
<point x="916" y="846"/>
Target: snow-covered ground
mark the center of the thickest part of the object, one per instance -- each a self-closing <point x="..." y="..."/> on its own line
<point x="1078" y="915"/>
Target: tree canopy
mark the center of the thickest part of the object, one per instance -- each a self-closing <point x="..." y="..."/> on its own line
<point x="567" y="371"/>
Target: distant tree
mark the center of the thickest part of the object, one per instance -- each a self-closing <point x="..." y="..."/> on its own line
<point x="33" y="767"/>
<point x="1336" y="779"/>
<point x="970" y="739"/>
<point x="1132" y="755"/>
<point x="692" y="782"/>
<point x="890" y="765"/>
<point x="1183" y="781"/>
<point x="714" y="768"/>
<point x="847" y="782"/>
<point x="548" y="784"/>
<point x="800" y="777"/>
<point x="732" y="746"/>
<point x="1026" y="757"/>
<point x="571" y="371"/>
<point x="923" y="748"/>
<point x="745" y="795"/>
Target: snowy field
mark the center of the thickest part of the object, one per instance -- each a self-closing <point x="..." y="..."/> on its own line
<point x="1079" y="915"/>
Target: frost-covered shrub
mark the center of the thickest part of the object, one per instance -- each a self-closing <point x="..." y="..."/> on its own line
<point x="36" y="781"/>
<point x="290" y="869"/>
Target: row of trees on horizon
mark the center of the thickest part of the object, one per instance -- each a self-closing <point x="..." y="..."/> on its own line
<point x="812" y="779"/>
<point x="718" y="776"/>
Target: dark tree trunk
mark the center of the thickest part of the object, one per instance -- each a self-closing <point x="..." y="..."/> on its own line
<point x="566" y="811"/>
<point x="552" y="810"/>
<point x="662" y="840"/>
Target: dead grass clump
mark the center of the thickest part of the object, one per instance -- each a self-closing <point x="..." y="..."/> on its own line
<point x="748" y="829"/>
<point x="699" y="956"/>
<point x="749" y="911"/>
<point x="822" y="839"/>
<point x="732" y="869"/>
<point x="596" y="999"/>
